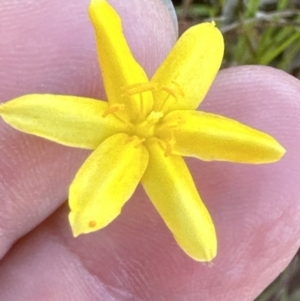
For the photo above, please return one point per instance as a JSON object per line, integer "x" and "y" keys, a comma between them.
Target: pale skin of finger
{"x": 255, "y": 208}
{"x": 47, "y": 49}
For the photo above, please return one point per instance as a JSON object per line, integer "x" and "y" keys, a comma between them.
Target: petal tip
{"x": 75, "y": 234}
{"x": 279, "y": 152}
{"x": 203, "y": 253}
{"x": 282, "y": 152}
{"x": 211, "y": 254}
{"x": 208, "y": 253}
{"x": 75, "y": 226}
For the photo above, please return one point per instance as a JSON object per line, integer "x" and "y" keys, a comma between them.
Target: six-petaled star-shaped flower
{"x": 143, "y": 131}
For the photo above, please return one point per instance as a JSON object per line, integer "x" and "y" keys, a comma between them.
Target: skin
{"x": 47, "y": 48}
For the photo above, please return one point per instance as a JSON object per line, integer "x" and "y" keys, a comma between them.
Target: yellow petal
{"x": 119, "y": 68}
{"x": 190, "y": 69}
{"x": 170, "y": 187}
{"x": 213, "y": 137}
{"x": 105, "y": 182}
{"x": 69, "y": 120}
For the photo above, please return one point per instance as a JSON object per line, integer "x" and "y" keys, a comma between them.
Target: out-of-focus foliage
{"x": 263, "y": 32}
{"x": 286, "y": 287}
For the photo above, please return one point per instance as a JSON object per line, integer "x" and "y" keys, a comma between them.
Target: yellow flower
{"x": 142, "y": 131}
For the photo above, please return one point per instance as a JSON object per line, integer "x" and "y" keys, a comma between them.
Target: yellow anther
{"x": 172, "y": 89}
{"x": 175, "y": 90}
{"x": 137, "y": 140}
{"x": 113, "y": 109}
{"x": 139, "y": 88}
{"x": 130, "y": 139}
{"x": 178, "y": 88}
{"x": 170, "y": 142}
{"x": 179, "y": 121}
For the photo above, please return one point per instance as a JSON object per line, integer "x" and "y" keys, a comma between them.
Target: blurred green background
{"x": 264, "y": 32}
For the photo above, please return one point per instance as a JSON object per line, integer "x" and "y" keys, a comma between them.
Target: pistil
{"x": 147, "y": 127}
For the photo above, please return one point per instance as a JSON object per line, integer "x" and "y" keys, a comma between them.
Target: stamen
{"x": 174, "y": 91}
{"x": 170, "y": 142}
{"x": 176, "y": 123}
{"x": 178, "y": 88}
{"x": 130, "y": 139}
{"x": 138, "y": 88}
{"x": 113, "y": 109}
{"x": 138, "y": 141}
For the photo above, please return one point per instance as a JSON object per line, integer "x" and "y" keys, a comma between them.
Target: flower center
{"x": 148, "y": 121}
{"x": 146, "y": 128}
